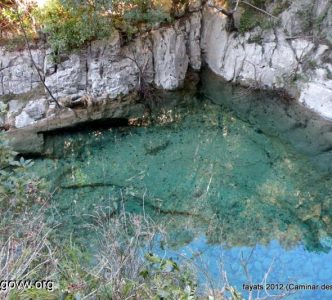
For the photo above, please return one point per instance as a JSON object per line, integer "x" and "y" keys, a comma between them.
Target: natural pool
{"x": 234, "y": 174}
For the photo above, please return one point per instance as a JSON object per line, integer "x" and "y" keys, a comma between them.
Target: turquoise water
{"x": 229, "y": 171}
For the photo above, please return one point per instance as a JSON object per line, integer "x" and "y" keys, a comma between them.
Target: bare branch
{"x": 231, "y": 12}
{"x": 259, "y": 9}
{"x": 42, "y": 79}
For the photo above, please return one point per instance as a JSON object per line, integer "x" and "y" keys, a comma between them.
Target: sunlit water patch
{"x": 229, "y": 172}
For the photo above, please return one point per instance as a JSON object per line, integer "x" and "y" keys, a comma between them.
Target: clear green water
{"x": 228, "y": 171}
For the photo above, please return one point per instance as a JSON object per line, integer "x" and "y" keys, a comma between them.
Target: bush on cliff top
{"x": 69, "y": 24}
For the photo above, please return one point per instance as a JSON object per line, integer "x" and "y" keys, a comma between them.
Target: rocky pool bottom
{"x": 236, "y": 176}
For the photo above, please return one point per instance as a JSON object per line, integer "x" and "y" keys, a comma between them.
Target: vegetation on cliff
{"x": 69, "y": 24}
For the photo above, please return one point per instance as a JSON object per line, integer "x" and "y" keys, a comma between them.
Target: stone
{"x": 170, "y": 58}
{"x": 36, "y": 109}
{"x": 18, "y": 74}
{"x": 33, "y": 111}
{"x": 302, "y": 48}
{"x": 272, "y": 63}
{"x": 25, "y": 141}
{"x": 194, "y": 41}
{"x": 113, "y": 72}
{"x": 292, "y": 19}
{"x": 69, "y": 78}
{"x": 23, "y": 120}
{"x": 318, "y": 97}
{"x": 15, "y": 106}
{"x": 107, "y": 69}
{"x": 3, "y": 108}
{"x": 214, "y": 40}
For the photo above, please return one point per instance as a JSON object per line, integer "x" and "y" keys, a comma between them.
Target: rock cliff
{"x": 289, "y": 55}
{"x": 102, "y": 71}
{"x": 292, "y": 55}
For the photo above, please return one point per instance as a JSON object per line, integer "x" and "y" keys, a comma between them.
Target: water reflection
{"x": 235, "y": 175}
{"x": 242, "y": 172}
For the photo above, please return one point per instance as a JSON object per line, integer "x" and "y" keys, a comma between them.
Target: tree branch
{"x": 259, "y": 9}
{"x": 231, "y": 12}
{"x": 42, "y": 79}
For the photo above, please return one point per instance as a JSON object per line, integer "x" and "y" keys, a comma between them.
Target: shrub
{"x": 249, "y": 20}
{"x": 12, "y": 17}
{"x": 70, "y": 25}
{"x": 18, "y": 187}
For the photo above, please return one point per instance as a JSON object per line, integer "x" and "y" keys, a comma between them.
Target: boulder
{"x": 15, "y": 107}
{"x": 23, "y": 120}
{"x": 318, "y": 97}
{"x": 36, "y": 109}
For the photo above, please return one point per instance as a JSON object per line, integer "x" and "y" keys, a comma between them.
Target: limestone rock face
{"x": 170, "y": 58}
{"x": 3, "y": 110}
{"x": 194, "y": 36}
{"x": 103, "y": 70}
{"x": 318, "y": 97}
{"x": 283, "y": 57}
{"x": 36, "y": 109}
{"x": 69, "y": 78}
{"x": 15, "y": 106}
{"x": 17, "y": 75}
{"x": 278, "y": 61}
{"x": 293, "y": 19}
{"x": 114, "y": 70}
{"x": 23, "y": 120}
{"x": 175, "y": 49}
{"x": 32, "y": 112}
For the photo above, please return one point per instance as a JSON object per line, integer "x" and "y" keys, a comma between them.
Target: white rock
{"x": 23, "y": 119}
{"x": 284, "y": 59}
{"x": 292, "y": 19}
{"x": 302, "y": 47}
{"x": 318, "y": 97}
{"x": 214, "y": 40}
{"x": 3, "y": 107}
{"x": 19, "y": 75}
{"x": 113, "y": 72}
{"x": 170, "y": 58}
{"x": 70, "y": 77}
{"x": 36, "y": 109}
{"x": 194, "y": 41}
{"x": 15, "y": 106}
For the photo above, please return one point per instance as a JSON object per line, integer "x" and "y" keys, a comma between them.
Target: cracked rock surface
{"x": 287, "y": 57}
